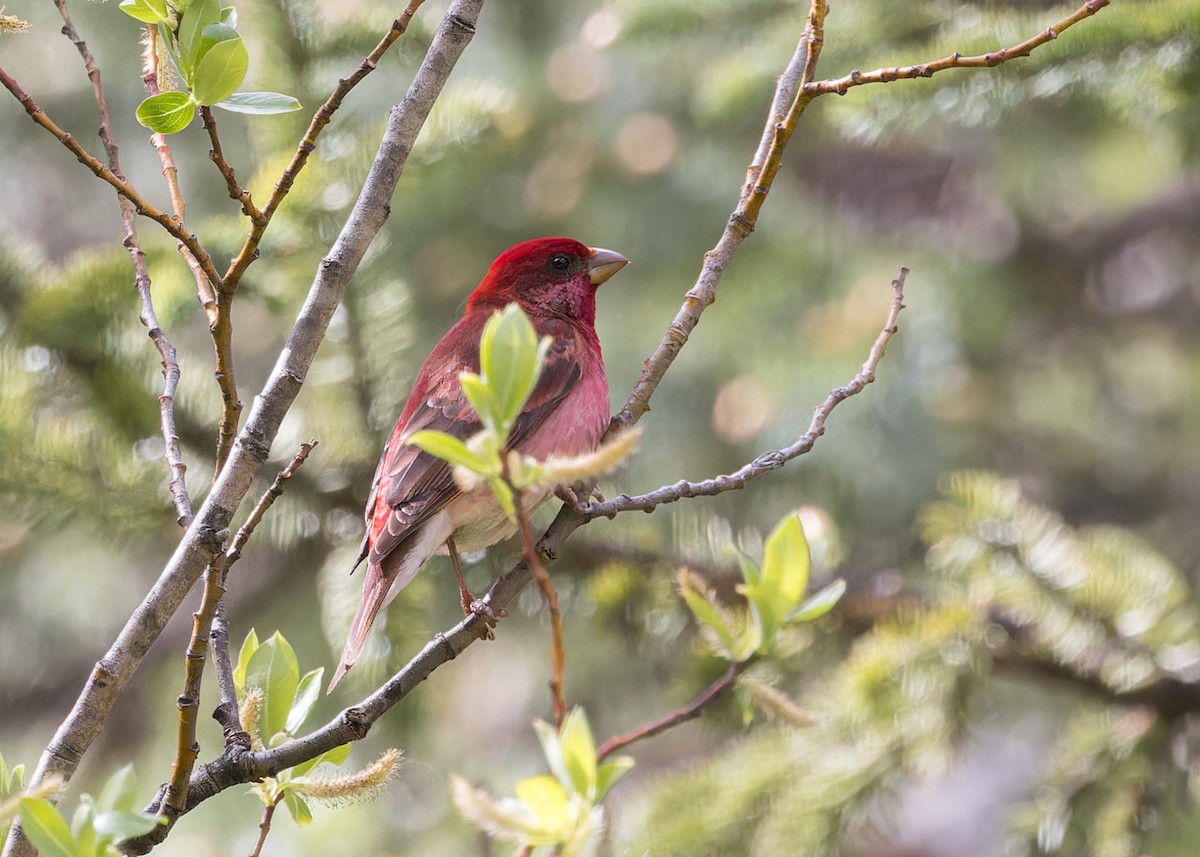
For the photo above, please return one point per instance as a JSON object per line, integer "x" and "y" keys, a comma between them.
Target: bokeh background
{"x": 1049, "y": 210}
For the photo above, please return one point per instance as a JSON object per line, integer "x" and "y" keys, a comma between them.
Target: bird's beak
{"x": 602, "y": 264}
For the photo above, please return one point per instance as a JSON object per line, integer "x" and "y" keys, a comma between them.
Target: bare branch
{"x": 841, "y": 85}
{"x": 141, "y": 279}
{"x": 140, "y": 204}
{"x": 236, "y": 192}
{"x": 205, "y": 536}
{"x": 558, "y": 656}
{"x": 681, "y": 715}
{"x": 774, "y": 458}
{"x": 760, "y": 174}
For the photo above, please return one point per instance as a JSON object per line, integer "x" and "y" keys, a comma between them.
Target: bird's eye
{"x": 560, "y": 262}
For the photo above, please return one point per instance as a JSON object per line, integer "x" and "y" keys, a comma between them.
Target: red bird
{"x": 415, "y": 508}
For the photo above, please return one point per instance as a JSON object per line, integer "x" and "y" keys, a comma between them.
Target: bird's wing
{"x": 412, "y": 485}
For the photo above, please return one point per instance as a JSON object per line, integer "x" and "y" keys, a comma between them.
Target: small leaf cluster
{"x": 97, "y": 826}
{"x": 774, "y": 591}
{"x": 510, "y": 361}
{"x": 275, "y": 702}
{"x": 558, "y": 810}
{"x": 203, "y": 43}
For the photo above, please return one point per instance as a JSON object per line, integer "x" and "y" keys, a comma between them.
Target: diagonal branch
{"x": 681, "y": 715}
{"x": 841, "y": 85}
{"x": 205, "y": 536}
{"x": 124, "y": 188}
{"x": 771, "y": 459}
{"x": 216, "y": 154}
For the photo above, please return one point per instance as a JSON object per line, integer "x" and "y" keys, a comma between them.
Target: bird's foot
{"x": 476, "y": 607}
{"x": 571, "y": 499}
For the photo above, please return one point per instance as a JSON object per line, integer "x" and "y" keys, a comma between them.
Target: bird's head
{"x": 548, "y": 276}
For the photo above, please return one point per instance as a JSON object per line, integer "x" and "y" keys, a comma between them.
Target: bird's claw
{"x": 485, "y": 612}
{"x": 571, "y": 499}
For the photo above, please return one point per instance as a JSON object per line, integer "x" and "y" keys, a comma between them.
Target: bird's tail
{"x": 374, "y": 596}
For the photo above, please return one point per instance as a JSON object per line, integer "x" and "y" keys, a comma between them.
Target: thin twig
{"x": 558, "y": 656}
{"x": 236, "y": 192}
{"x": 187, "y": 749}
{"x": 774, "y": 458}
{"x": 217, "y": 301}
{"x": 226, "y": 712}
{"x": 681, "y": 715}
{"x": 841, "y": 85}
{"x": 264, "y": 502}
{"x": 264, "y": 826}
{"x": 141, "y": 281}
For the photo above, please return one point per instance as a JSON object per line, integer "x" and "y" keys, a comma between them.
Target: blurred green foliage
{"x": 1048, "y": 210}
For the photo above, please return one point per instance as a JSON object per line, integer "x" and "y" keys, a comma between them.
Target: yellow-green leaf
{"x": 46, "y": 829}
{"x": 579, "y": 753}
{"x": 221, "y": 67}
{"x": 167, "y": 112}
{"x": 819, "y": 604}
{"x": 449, "y": 448}
{"x": 509, "y": 361}
{"x": 545, "y": 796}
{"x": 198, "y": 15}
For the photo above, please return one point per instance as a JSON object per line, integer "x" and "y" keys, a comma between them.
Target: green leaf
{"x": 167, "y": 112}
{"x": 298, "y": 808}
{"x": 274, "y": 670}
{"x": 451, "y": 449}
{"x": 510, "y": 362}
{"x": 781, "y": 581}
{"x": 199, "y": 14}
{"x": 484, "y": 402}
{"x": 229, "y": 16}
{"x": 259, "y": 103}
{"x": 504, "y": 496}
{"x": 334, "y": 757}
{"x": 745, "y": 704}
{"x": 212, "y": 35}
{"x": 10, "y": 781}
{"x": 546, "y": 798}
{"x": 119, "y": 792}
{"x": 123, "y": 824}
{"x": 610, "y": 773}
{"x": 307, "y": 693}
{"x": 751, "y": 572}
{"x": 552, "y": 750}
{"x": 817, "y": 605}
{"x": 46, "y": 829}
{"x": 786, "y": 559}
{"x": 707, "y": 614}
{"x": 579, "y": 753}
{"x": 221, "y": 67}
{"x": 83, "y": 827}
{"x": 249, "y": 646}
{"x": 146, "y": 11}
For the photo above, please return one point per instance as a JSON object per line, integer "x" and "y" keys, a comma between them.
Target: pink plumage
{"x": 415, "y": 506}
